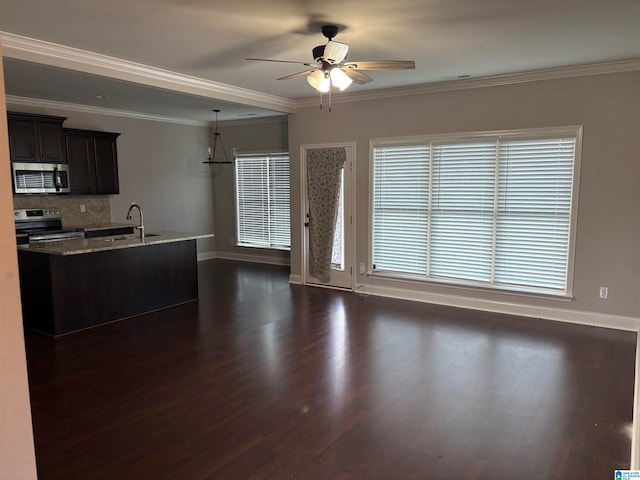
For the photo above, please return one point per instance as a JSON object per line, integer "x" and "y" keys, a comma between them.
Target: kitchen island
{"x": 76, "y": 284}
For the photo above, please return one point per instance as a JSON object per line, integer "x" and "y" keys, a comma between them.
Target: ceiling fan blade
{"x": 281, "y": 61}
{"x": 296, "y": 75}
{"x": 358, "y": 77}
{"x": 382, "y": 65}
{"x": 335, "y": 52}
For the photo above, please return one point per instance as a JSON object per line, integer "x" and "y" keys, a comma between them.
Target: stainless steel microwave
{"x": 40, "y": 178}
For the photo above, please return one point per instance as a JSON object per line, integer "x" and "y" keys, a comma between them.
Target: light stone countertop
{"x": 102, "y": 226}
{"x": 102, "y": 244}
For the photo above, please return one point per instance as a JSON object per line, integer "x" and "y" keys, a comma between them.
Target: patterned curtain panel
{"x": 324, "y": 166}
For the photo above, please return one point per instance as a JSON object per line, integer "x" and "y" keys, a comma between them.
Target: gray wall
{"x": 608, "y": 106}
{"x": 160, "y": 168}
{"x": 269, "y": 135}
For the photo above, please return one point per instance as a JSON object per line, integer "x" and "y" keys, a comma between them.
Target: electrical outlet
{"x": 83, "y": 209}
{"x": 363, "y": 268}
{"x": 604, "y": 292}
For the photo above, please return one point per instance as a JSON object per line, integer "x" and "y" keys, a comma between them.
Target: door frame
{"x": 350, "y": 246}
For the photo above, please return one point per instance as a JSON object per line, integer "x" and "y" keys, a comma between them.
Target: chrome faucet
{"x": 141, "y": 226}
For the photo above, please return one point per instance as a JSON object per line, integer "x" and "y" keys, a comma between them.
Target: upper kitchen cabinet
{"x": 93, "y": 161}
{"x": 36, "y": 138}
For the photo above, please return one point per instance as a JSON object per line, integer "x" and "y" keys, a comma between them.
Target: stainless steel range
{"x": 37, "y": 225}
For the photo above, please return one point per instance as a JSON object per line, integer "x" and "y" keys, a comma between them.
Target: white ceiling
{"x": 206, "y": 42}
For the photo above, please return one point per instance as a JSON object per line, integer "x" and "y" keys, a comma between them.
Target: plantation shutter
{"x": 400, "y": 208}
{"x": 262, "y": 201}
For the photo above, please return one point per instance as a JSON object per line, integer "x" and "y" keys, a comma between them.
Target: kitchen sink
{"x": 129, "y": 237}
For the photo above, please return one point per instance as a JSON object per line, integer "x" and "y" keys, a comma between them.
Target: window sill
{"x": 263, "y": 247}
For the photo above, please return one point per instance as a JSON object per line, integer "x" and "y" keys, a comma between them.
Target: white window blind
{"x": 401, "y": 199}
{"x": 492, "y": 211}
{"x": 462, "y": 213}
{"x": 262, "y": 200}
{"x": 534, "y": 212}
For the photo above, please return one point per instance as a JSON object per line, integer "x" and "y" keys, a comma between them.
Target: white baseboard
{"x": 206, "y": 256}
{"x": 243, "y": 257}
{"x": 297, "y": 279}
{"x": 564, "y": 315}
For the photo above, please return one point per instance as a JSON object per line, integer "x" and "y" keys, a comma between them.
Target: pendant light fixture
{"x": 217, "y": 138}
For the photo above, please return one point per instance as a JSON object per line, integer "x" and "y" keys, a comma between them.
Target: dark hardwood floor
{"x": 265, "y": 380}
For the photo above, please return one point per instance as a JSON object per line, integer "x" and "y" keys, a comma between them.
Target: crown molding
{"x": 254, "y": 121}
{"x": 39, "y": 51}
{"x": 482, "y": 82}
{"x": 13, "y": 100}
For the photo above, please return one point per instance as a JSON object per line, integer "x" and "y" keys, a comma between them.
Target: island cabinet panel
{"x": 64, "y": 293}
{"x": 93, "y": 161}
{"x": 36, "y": 138}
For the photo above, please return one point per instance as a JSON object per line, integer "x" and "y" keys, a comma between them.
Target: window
{"x": 484, "y": 210}
{"x": 262, "y": 200}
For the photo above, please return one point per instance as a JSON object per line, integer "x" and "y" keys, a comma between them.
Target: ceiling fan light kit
{"x": 331, "y": 68}
{"x": 339, "y": 78}
{"x": 319, "y": 80}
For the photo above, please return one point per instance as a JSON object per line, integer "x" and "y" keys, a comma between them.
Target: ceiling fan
{"x": 331, "y": 69}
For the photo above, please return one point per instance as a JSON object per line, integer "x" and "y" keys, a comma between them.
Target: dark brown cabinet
{"x": 93, "y": 161}
{"x": 36, "y": 138}
{"x": 62, "y": 293}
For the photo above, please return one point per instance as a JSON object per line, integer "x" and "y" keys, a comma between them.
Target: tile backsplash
{"x": 97, "y": 208}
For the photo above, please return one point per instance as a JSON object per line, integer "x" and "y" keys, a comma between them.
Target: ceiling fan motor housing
{"x": 330, "y": 31}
